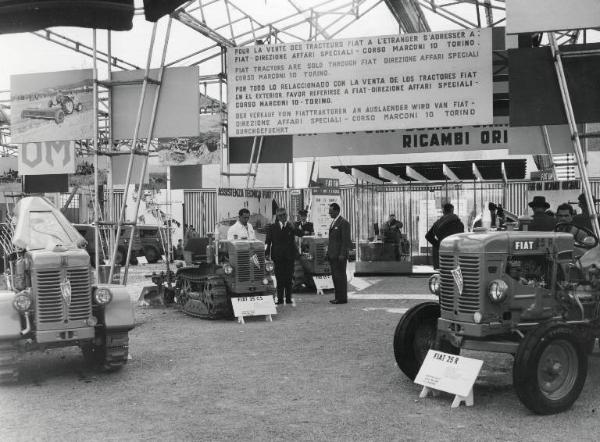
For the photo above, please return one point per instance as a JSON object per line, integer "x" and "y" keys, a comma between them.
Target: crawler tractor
{"x": 535, "y": 295}
{"x": 232, "y": 269}
{"x": 50, "y": 299}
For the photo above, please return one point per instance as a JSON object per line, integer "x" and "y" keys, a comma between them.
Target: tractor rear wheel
{"x": 550, "y": 368}
{"x": 9, "y": 363}
{"x": 415, "y": 335}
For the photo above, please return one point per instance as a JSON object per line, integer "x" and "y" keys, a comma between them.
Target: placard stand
{"x": 240, "y": 319}
{"x": 450, "y": 373}
{"x": 322, "y": 283}
{"x": 468, "y": 400}
{"x": 253, "y": 306}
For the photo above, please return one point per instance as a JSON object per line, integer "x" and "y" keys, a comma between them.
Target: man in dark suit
{"x": 281, "y": 247}
{"x": 305, "y": 226}
{"x": 448, "y": 224}
{"x": 337, "y": 252}
{"x": 541, "y": 220}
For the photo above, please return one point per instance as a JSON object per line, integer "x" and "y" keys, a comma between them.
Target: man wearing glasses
{"x": 281, "y": 247}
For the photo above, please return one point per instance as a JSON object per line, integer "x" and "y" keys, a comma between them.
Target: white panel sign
{"x": 450, "y": 373}
{"x": 551, "y": 15}
{"x": 319, "y": 209}
{"x": 253, "y": 306}
{"x": 323, "y": 282}
{"x": 47, "y": 158}
{"x": 434, "y": 79}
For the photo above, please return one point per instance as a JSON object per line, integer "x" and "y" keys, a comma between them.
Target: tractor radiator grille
{"x": 320, "y": 252}
{"x": 246, "y": 270}
{"x": 450, "y": 299}
{"x": 51, "y": 306}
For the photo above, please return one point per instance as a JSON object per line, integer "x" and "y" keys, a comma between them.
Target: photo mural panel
{"x": 433, "y": 79}
{"x": 52, "y": 106}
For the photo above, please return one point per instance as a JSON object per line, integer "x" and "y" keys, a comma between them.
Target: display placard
{"x": 432, "y": 79}
{"x": 450, "y": 373}
{"x": 319, "y": 209}
{"x": 323, "y": 282}
{"x": 253, "y": 306}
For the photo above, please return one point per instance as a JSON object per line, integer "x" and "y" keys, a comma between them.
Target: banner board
{"x": 187, "y": 151}
{"x": 260, "y": 203}
{"x": 319, "y": 209}
{"x": 47, "y": 158}
{"x": 551, "y": 15}
{"x": 370, "y": 83}
{"x": 52, "y": 106}
{"x": 518, "y": 140}
{"x": 178, "y": 106}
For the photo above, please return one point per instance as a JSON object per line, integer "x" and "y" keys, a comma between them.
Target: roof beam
{"x": 412, "y": 173}
{"x": 503, "y": 170}
{"x": 200, "y": 27}
{"x": 387, "y": 175}
{"x": 449, "y": 174}
{"x": 476, "y": 174}
{"x": 409, "y": 15}
{"x": 358, "y": 174}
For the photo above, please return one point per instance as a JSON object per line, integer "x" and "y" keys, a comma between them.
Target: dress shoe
{"x": 335, "y": 301}
{"x": 289, "y": 301}
{"x": 278, "y": 302}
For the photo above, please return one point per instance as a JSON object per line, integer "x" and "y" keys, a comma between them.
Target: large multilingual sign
{"x": 434, "y": 79}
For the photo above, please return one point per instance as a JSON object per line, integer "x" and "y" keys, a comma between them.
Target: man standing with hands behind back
{"x": 337, "y": 252}
{"x": 281, "y": 247}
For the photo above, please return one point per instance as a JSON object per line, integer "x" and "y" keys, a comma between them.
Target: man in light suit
{"x": 337, "y": 252}
{"x": 281, "y": 247}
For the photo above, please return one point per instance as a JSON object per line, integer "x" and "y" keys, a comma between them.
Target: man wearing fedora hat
{"x": 541, "y": 220}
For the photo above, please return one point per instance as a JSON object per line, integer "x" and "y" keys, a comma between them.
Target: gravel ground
{"x": 317, "y": 372}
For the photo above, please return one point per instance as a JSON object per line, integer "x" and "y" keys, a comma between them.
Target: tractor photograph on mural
{"x": 48, "y": 298}
{"x": 534, "y": 295}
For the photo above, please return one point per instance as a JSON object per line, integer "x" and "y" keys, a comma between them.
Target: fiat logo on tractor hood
{"x": 458, "y": 279}
{"x": 65, "y": 291}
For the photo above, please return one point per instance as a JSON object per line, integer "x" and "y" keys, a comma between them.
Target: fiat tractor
{"x": 312, "y": 261}
{"x": 534, "y": 295}
{"x": 49, "y": 299}
{"x": 232, "y": 269}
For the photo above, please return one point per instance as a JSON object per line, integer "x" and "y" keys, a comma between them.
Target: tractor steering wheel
{"x": 579, "y": 234}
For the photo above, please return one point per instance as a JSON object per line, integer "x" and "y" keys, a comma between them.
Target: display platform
{"x": 380, "y": 258}
{"x": 368, "y": 268}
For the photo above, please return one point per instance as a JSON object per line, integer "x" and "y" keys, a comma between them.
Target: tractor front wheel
{"x": 550, "y": 368}
{"x": 111, "y": 354}
{"x": 415, "y": 335}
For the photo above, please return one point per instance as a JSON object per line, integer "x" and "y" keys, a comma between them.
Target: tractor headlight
{"x": 265, "y": 281}
{"x": 269, "y": 266}
{"x": 434, "y": 284}
{"x": 497, "y": 291}
{"x": 102, "y": 296}
{"x": 22, "y": 301}
{"x": 227, "y": 268}
{"x": 477, "y": 317}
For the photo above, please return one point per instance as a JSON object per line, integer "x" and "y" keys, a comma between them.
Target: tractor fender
{"x": 10, "y": 319}
{"x": 118, "y": 313}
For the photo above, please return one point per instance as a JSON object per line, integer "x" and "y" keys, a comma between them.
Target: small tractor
{"x": 534, "y": 295}
{"x": 49, "y": 299}
{"x": 313, "y": 251}
{"x": 232, "y": 269}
